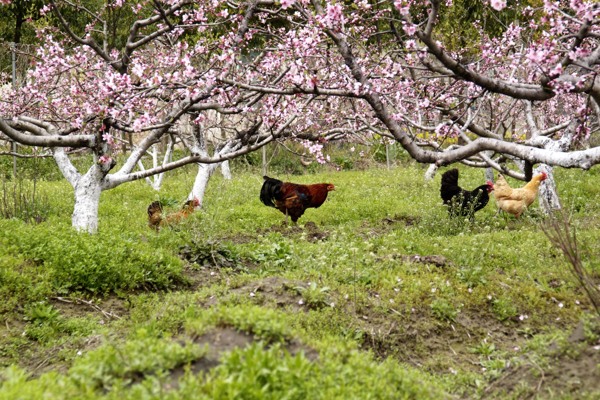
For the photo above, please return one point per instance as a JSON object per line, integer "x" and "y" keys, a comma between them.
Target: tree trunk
{"x": 489, "y": 174}
{"x": 87, "y": 201}
{"x": 201, "y": 182}
{"x": 225, "y": 170}
{"x": 549, "y": 201}
{"x": 431, "y": 171}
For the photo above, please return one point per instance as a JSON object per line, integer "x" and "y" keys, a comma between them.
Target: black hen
{"x": 462, "y": 202}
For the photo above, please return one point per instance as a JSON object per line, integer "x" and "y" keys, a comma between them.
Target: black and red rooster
{"x": 291, "y": 198}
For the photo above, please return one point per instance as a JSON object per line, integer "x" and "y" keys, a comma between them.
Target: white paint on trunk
{"x": 549, "y": 201}
{"x": 431, "y": 171}
{"x": 87, "y": 190}
{"x": 201, "y": 182}
{"x": 65, "y": 166}
{"x": 155, "y": 181}
{"x": 87, "y": 201}
{"x": 225, "y": 170}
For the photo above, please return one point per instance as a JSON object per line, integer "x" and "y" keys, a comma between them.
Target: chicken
{"x": 293, "y": 199}
{"x": 156, "y": 218}
{"x": 516, "y": 201}
{"x": 462, "y": 202}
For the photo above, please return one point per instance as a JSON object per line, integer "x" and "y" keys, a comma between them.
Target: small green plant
{"x": 264, "y": 324}
{"x": 484, "y": 348}
{"x": 443, "y": 310}
{"x": 313, "y": 296}
{"x": 472, "y": 276}
{"x": 255, "y": 372}
{"x": 344, "y": 162}
{"x": 277, "y": 254}
{"x": 504, "y": 308}
{"x": 41, "y": 312}
{"x": 211, "y": 254}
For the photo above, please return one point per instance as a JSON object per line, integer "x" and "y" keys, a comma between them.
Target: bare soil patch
{"x": 221, "y": 340}
{"x": 401, "y": 219}
{"x": 108, "y": 309}
{"x": 274, "y": 291}
{"x": 310, "y": 231}
{"x": 572, "y": 370}
{"x": 421, "y": 340}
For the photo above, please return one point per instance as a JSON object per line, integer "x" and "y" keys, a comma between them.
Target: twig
{"x": 561, "y": 235}
{"x": 107, "y": 314}
{"x": 539, "y": 385}
{"x": 455, "y": 353}
{"x": 395, "y": 312}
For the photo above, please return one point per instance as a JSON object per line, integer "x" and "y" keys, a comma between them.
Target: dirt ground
{"x": 415, "y": 338}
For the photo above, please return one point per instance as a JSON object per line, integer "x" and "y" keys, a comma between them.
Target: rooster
{"x": 156, "y": 218}
{"x": 516, "y": 201}
{"x": 293, "y": 199}
{"x": 462, "y": 202}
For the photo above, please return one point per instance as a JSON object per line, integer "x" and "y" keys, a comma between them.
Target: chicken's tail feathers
{"x": 270, "y": 190}
{"x": 450, "y": 177}
{"x": 449, "y": 187}
{"x": 154, "y": 207}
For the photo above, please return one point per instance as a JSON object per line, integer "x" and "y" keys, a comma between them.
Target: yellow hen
{"x": 516, "y": 201}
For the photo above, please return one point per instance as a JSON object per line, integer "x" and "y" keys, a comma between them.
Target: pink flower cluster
{"x": 498, "y": 5}
{"x": 316, "y": 149}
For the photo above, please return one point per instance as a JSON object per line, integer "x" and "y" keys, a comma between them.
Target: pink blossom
{"x": 105, "y": 159}
{"x": 285, "y": 4}
{"x": 108, "y": 138}
{"x": 334, "y": 16}
{"x": 498, "y": 5}
{"x": 410, "y": 29}
{"x": 557, "y": 70}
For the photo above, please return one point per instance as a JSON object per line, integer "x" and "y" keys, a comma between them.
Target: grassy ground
{"x": 377, "y": 294}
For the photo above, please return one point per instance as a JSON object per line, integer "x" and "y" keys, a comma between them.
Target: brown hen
{"x": 156, "y": 219}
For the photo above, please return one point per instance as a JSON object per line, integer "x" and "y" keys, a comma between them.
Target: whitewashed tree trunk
{"x": 87, "y": 190}
{"x": 201, "y": 182}
{"x": 431, "y": 171}
{"x": 549, "y": 201}
{"x": 205, "y": 171}
{"x": 225, "y": 170}
{"x": 155, "y": 181}
{"x": 87, "y": 201}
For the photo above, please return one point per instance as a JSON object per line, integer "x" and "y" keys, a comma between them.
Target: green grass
{"x": 384, "y": 297}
